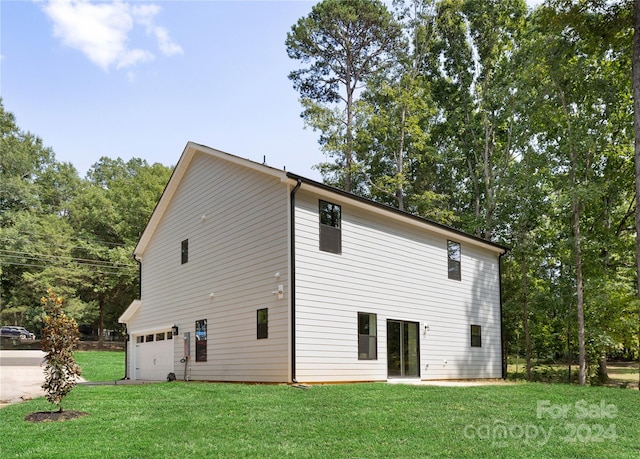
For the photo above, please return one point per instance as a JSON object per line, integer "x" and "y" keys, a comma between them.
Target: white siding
{"x": 397, "y": 272}
{"x": 234, "y": 252}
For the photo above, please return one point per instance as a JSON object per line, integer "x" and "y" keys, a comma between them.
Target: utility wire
{"x": 59, "y": 257}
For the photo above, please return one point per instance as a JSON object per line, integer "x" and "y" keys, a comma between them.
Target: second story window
{"x": 185, "y": 251}
{"x": 330, "y": 227}
{"x": 454, "y": 255}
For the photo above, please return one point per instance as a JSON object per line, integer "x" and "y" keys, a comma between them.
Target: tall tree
{"x": 636, "y": 129}
{"x": 581, "y": 96}
{"x": 473, "y": 85}
{"x": 345, "y": 43}
{"x": 394, "y": 145}
{"x": 108, "y": 218}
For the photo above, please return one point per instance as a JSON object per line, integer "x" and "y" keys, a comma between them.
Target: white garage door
{"x": 154, "y": 356}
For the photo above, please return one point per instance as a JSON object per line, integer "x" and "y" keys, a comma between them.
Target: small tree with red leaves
{"x": 59, "y": 339}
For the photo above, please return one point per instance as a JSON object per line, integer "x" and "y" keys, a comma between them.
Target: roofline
{"x": 439, "y": 227}
{"x": 192, "y": 148}
{"x": 176, "y": 177}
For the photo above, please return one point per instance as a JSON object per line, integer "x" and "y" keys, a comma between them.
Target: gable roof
{"x": 386, "y": 211}
{"x": 178, "y": 174}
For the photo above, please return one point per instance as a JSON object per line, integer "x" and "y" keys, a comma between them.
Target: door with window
{"x": 403, "y": 349}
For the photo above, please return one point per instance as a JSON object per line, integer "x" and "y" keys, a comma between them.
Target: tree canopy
{"x": 74, "y": 234}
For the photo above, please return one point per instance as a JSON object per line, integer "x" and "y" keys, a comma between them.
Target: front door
{"x": 403, "y": 349}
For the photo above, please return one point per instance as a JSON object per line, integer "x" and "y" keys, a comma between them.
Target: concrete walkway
{"x": 21, "y": 376}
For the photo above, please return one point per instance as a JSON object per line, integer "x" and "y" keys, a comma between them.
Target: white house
{"x": 251, "y": 273}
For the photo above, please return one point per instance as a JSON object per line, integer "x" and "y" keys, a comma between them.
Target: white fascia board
{"x": 130, "y": 311}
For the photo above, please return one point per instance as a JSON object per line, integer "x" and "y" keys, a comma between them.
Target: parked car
{"x": 16, "y": 332}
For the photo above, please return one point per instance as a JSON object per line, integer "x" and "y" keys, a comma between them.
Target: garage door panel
{"x": 154, "y": 360}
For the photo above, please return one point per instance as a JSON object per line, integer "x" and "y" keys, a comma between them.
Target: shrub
{"x": 59, "y": 338}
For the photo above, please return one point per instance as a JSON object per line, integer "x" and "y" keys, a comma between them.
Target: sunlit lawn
{"x": 101, "y": 365}
{"x": 181, "y": 419}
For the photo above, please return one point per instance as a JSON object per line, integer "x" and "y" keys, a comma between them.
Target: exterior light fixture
{"x": 174, "y": 330}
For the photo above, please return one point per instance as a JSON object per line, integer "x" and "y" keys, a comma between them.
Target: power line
{"x": 72, "y": 238}
{"x": 43, "y": 257}
{"x": 11, "y": 263}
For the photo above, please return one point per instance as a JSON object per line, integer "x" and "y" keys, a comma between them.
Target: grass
{"x": 338, "y": 421}
{"x": 101, "y": 365}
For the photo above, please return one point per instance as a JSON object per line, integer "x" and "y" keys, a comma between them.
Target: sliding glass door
{"x": 403, "y": 349}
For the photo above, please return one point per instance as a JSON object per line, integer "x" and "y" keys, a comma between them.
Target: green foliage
{"x": 59, "y": 339}
{"x": 78, "y": 235}
{"x": 345, "y": 43}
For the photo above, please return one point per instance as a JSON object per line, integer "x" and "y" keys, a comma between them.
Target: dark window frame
{"x": 476, "y": 336}
{"x": 330, "y": 220}
{"x": 201, "y": 340}
{"x": 454, "y": 260}
{"x": 184, "y": 251}
{"x": 367, "y": 342}
{"x": 262, "y": 320}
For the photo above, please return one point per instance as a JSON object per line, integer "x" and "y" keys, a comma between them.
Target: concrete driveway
{"x": 20, "y": 376}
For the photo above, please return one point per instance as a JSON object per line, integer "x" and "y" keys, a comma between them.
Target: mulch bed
{"x": 53, "y": 416}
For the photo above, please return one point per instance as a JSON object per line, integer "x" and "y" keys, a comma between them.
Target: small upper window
{"x": 263, "y": 323}
{"x": 330, "y": 227}
{"x": 185, "y": 251}
{"x": 454, "y": 254}
{"x": 476, "y": 336}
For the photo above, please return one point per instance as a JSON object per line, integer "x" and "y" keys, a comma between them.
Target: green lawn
{"x": 181, "y": 419}
{"x": 101, "y": 365}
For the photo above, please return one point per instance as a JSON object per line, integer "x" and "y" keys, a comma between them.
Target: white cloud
{"x": 101, "y": 30}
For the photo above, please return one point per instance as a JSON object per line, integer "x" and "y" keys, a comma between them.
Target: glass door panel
{"x": 403, "y": 349}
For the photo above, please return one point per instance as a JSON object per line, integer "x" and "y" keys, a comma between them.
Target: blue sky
{"x": 142, "y": 78}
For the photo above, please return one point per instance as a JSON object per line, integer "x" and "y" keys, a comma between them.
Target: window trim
{"x": 476, "y": 338}
{"x": 262, "y": 331}
{"x": 184, "y": 251}
{"x": 330, "y": 232}
{"x": 454, "y": 263}
{"x": 362, "y": 337}
{"x": 201, "y": 340}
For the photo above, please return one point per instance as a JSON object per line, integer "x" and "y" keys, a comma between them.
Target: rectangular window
{"x": 160, "y": 336}
{"x": 169, "y": 335}
{"x": 476, "y": 336}
{"x": 149, "y": 338}
{"x": 330, "y": 224}
{"x": 185, "y": 251}
{"x": 263, "y": 323}
{"x": 454, "y": 255}
{"x": 201, "y": 340}
{"x": 367, "y": 336}
{"x": 140, "y": 339}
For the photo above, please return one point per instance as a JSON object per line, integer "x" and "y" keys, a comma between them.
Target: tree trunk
{"x": 525, "y": 305}
{"x": 101, "y": 325}
{"x": 636, "y": 129}
{"x": 400, "y": 161}
{"x": 603, "y": 375}
{"x": 577, "y": 247}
